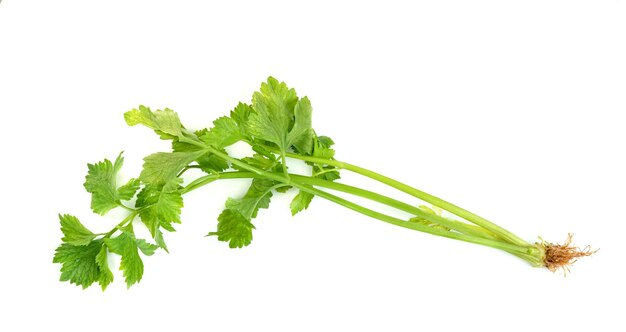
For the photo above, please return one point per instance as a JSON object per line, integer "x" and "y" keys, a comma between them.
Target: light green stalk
{"x": 436, "y": 201}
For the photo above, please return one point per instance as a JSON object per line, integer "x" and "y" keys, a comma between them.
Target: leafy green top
{"x": 277, "y": 122}
{"x": 101, "y": 183}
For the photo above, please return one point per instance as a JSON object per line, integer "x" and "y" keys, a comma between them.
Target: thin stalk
{"x": 516, "y": 242}
{"x": 453, "y": 224}
{"x": 126, "y": 220}
{"x": 243, "y": 165}
{"x": 186, "y": 169}
{"x": 284, "y": 160}
{"x": 203, "y": 180}
{"x": 469, "y": 216}
{"x": 126, "y": 207}
{"x": 524, "y": 252}
{"x": 192, "y": 141}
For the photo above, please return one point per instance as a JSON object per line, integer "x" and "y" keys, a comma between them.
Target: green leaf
{"x": 161, "y": 202}
{"x": 276, "y": 121}
{"x": 301, "y": 135}
{"x": 162, "y": 121}
{"x": 283, "y": 189}
{"x": 264, "y": 152}
{"x": 300, "y": 202}
{"x": 278, "y": 117}
{"x": 166, "y": 226}
{"x": 101, "y": 183}
{"x": 211, "y": 163}
{"x": 234, "y": 224}
{"x": 159, "y": 207}
{"x": 273, "y": 112}
{"x": 258, "y": 161}
{"x": 225, "y": 132}
{"x": 158, "y": 238}
{"x": 146, "y": 248}
{"x": 258, "y": 196}
{"x": 75, "y": 233}
{"x": 207, "y": 161}
{"x": 330, "y": 173}
{"x": 321, "y": 147}
{"x": 178, "y": 146}
{"x": 234, "y": 228}
{"x": 127, "y": 191}
{"x": 161, "y": 167}
{"x": 106, "y": 276}
{"x": 325, "y": 141}
{"x": 79, "y": 263}
{"x": 240, "y": 114}
{"x": 126, "y": 246}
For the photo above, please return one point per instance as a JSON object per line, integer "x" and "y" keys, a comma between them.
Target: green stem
{"x": 453, "y": 224}
{"x": 201, "y": 181}
{"x": 299, "y": 182}
{"x": 469, "y": 216}
{"x": 456, "y": 225}
{"x": 123, "y": 223}
{"x": 243, "y": 165}
{"x": 284, "y": 160}
{"x": 521, "y": 251}
{"x": 516, "y": 246}
{"x": 191, "y": 141}
{"x": 186, "y": 169}
{"x": 126, "y": 207}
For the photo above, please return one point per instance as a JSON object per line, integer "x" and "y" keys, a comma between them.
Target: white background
{"x": 514, "y": 110}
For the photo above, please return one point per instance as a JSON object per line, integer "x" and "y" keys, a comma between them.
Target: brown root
{"x": 562, "y": 256}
